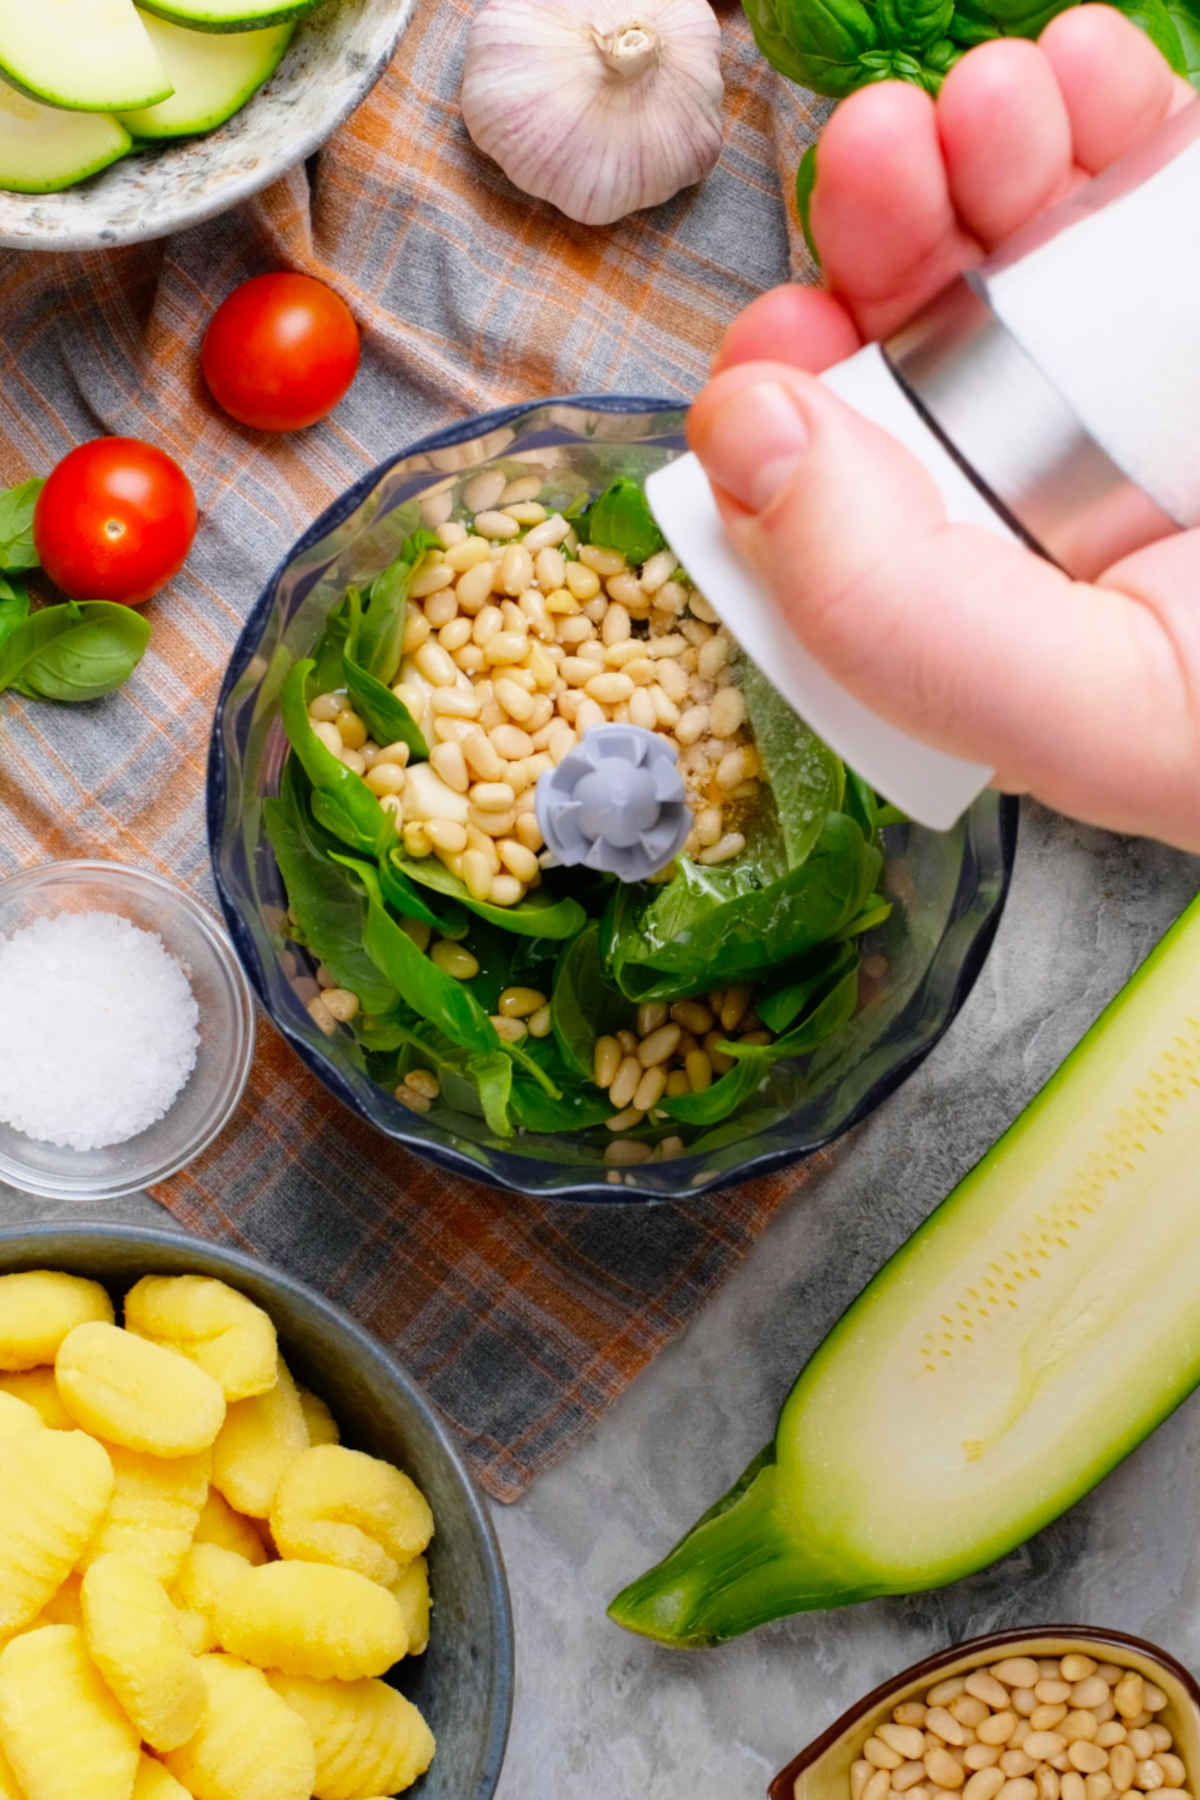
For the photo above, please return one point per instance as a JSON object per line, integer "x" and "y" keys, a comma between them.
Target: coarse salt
{"x": 98, "y": 1029}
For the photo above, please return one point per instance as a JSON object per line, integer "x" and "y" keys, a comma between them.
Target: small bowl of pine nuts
{"x": 1068, "y": 1712}
{"x": 517, "y": 639}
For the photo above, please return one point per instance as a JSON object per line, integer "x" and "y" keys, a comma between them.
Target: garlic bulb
{"x": 600, "y": 106}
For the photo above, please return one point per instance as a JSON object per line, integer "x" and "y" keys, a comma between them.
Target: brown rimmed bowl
{"x": 822, "y": 1771}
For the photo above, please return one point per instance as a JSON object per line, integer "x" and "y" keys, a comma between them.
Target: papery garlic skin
{"x": 599, "y": 106}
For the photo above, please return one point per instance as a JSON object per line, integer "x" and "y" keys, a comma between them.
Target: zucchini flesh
{"x": 43, "y": 149}
{"x": 1034, "y": 1329}
{"x": 88, "y": 55}
{"x": 213, "y": 75}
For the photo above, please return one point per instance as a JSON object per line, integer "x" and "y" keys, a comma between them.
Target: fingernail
{"x": 753, "y": 443}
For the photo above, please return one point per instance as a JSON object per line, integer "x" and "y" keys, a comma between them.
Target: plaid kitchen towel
{"x": 523, "y": 1320}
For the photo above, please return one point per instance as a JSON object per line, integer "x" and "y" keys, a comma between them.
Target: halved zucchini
{"x": 1030, "y": 1333}
{"x": 228, "y": 15}
{"x": 87, "y": 55}
{"x": 43, "y": 149}
{"x": 213, "y": 74}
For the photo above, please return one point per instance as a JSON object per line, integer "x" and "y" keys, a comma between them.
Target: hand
{"x": 1086, "y": 695}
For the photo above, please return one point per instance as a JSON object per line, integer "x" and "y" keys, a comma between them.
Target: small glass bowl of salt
{"x": 126, "y": 1029}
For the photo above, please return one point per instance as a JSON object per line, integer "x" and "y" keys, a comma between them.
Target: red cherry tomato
{"x": 114, "y": 521}
{"x": 280, "y": 352}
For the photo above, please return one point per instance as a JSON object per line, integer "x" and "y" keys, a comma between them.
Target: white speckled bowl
{"x": 337, "y": 55}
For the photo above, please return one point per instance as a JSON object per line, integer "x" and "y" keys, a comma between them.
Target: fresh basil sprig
{"x": 73, "y": 652}
{"x": 17, "y": 551}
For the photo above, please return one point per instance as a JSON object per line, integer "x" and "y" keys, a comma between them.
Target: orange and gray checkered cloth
{"x": 523, "y": 1320}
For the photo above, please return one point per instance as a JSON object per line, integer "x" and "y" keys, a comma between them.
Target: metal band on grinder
{"x": 930, "y": 786}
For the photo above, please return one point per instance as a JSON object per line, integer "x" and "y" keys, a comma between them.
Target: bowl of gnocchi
{"x": 240, "y": 1556}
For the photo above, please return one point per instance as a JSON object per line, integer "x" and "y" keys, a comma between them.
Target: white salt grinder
{"x": 1053, "y": 393}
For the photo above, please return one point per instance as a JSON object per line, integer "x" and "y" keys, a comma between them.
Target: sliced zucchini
{"x": 88, "y": 55}
{"x": 43, "y": 149}
{"x": 1036, "y": 1327}
{"x": 213, "y": 74}
{"x": 228, "y": 15}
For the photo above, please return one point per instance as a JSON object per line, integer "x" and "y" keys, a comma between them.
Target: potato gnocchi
{"x": 199, "y": 1586}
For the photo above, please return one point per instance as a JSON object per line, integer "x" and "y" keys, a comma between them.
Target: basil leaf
{"x": 385, "y": 716}
{"x": 710, "y": 925}
{"x": 327, "y": 675}
{"x": 377, "y": 644}
{"x": 781, "y": 1008}
{"x": 341, "y": 800}
{"x": 539, "y": 914}
{"x": 16, "y": 527}
{"x": 584, "y": 1003}
{"x": 72, "y": 652}
{"x": 806, "y": 181}
{"x": 401, "y": 896}
{"x": 620, "y": 519}
{"x": 326, "y": 904}
{"x": 753, "y": 1061}
{"x": 804, "y": 775}
{"x": 493, "y": 1078}
{"x": 574, "y": 1110}
{"x": 436, "y": 996}
{"x": 14, "y": 606}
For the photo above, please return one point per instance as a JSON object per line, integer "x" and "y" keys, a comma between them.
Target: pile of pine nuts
{"x": 1061, "y": 1728}
{"x": 517, "y": 640}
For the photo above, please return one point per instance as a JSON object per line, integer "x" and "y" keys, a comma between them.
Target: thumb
{"x": 958, "y": 635}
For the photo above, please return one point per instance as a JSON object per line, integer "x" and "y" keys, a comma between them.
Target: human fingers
{"x": 1006, "y": 137}
{"x": 1115, "y": 86}
{"x": 881, "y": 208}
{"x": 957, "y": 635}
{"x": 800, "y": 325}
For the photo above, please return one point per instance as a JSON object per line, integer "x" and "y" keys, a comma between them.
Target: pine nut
{"x": 582, "y": 582}
{"x": 505, "y": 648}
{"x": 1017, "y": 1672}
{"x": 999, "y": 1728}
{"x": 354, "y": 759}
{"x": 1079, "y": 1724}
{"x": 541, "y": 1022}
{"x": 518, "y": 859}
{"x": 511, "y": 742}
{"x": 624, "y": 1083}
{"x": 1087, "y": 1757}
{"x": 1045, "y": 1718}
{"x": 1075, "y": 1666}
{"x": 985, "y": 1784}
{"x": 606, "y": 1060}
{"x": 1161, "y": 1736}
{"x": 454, "y": 703}
{"x": 605, "y": 563}
{"x": 1122, "y": 1765}
{"x": 609, "y": 688}
{"x": 1048, "y": 1782}
{"x": 423, "y": 1082}
{"x": 320, "y": 1014}
{"x": 942, "y": 1723}
{"x": 628, "y": 1153}
{"x": 941, "y": 1768}
{"x": 1141, "y": 1743}
{"x": 477, "y": 874}
{"x": 650, "y": 1088}
{"x": 650, "y": 1015}
{"x": 724, "y": 850}
{"x": 529, "y": 834}
{"x": 520, "y": 1002}
{"x": 881, "y": 1755}
{"x": 495, "y": 524}
{"x": 907, "y": 1776}
{"x": 1014, "y": 1762}
{"x": 981, "y": 1756}
{"x": 985, "y": 1687}
{"x": 1155, "y": 1698}
{"x": 454, "y": 959}
{"x": 550, "y": 532}
{"x": 1020, "y": 1788}
{"x": 1110, "y": 1734}
{"x": 699, "y": 1071}
{"x": 454, "y": 636}
{"x": 448, "y": 761}
{"x": 659, "y": 1046}
{"x": 515, "y": 701}
{"x": 430, "y": 580}
{"x": 475, "y": 584}
{"x": 1025, "y": 1701}
{"x": 447, "y": 835}
{"x": 325, "y": 708}
{"x": 1129, "y": 1694}
{"x": 385, "y": 778}
{"x": 945, "y": 1691}
{"x": 468, "y": 554}
{"x": 417, "y": 631}
{"x": 1148, "y": 1776}
{"x": 905, "y": 1738}
{"x": 328, "y": 734}
{"x": 1091, "y": 1691}
{"x": 1042, "y": 1745}
{"x": 409, "y": 1097}
{"x": 492, "y": 797}
{"x": 727, "y": 712}
{"x": 1052, "y": 1692}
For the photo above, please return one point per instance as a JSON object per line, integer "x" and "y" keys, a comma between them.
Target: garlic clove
{"x": 601, "y": 107}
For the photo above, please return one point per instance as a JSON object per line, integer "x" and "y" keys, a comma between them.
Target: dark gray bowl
{"x": 463, "y": 1683}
